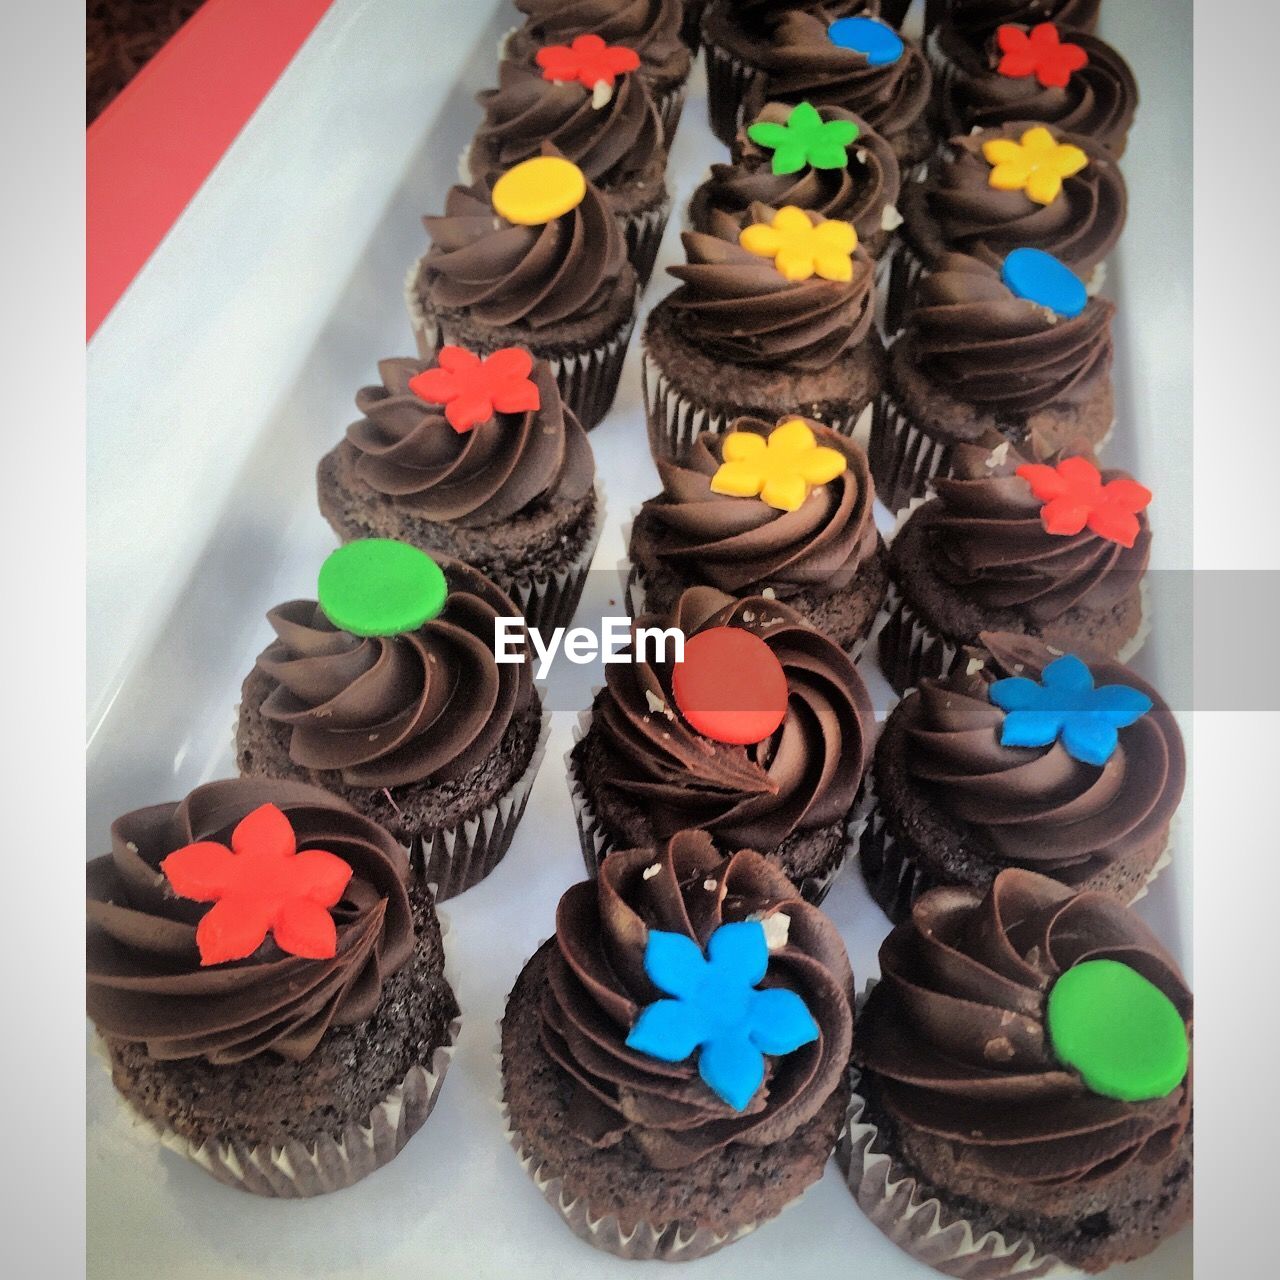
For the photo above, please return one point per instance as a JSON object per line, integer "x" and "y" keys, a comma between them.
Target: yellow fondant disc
{"x": 539, "y": 190}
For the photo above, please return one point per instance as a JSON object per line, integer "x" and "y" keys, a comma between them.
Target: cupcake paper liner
{"x": 455, "y": 858}
{"x": 919, "y": 1224}
{"x": 909, "y": 649}
{"x": 674, "y": 422}
{"x": 670, "y": 107}
{"x": 643, "y": 234}
{"x": 896, "y": 880}
{"x": 552, "y": 601}
{"x": 596, "y": 844}
{"x": 588, "y": 380}
{"x": 903, "y": 457}
{"x": 728, "y": 83}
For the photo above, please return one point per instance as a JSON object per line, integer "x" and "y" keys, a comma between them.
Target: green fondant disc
{"x": 380, "y": 587}
{"x": 1123, "y": 1035}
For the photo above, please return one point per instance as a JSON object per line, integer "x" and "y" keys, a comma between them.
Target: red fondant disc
{"x": 730, "y": 686}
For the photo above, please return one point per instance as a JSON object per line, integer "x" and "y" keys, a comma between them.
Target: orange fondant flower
{"x": 472, "y": 390}
{"x": 1075, "y": 497}
{"x": 1040, "y": 53}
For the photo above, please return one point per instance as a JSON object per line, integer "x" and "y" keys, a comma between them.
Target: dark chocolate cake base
{"x": 724, "y": 1195}
{"x": 1090, "y": 1225}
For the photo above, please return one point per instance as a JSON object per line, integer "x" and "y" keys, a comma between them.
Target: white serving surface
{"x": 228, "y": 368}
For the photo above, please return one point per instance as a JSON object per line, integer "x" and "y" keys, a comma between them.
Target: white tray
{"x": 215, "y": 386}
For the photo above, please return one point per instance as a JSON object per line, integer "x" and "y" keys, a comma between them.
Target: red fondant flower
{"x": 1074, "y": 497}
{"x": 1039, "y": 53}
{"x": 472, "y": 390}
{"x": 588, "y": 60}
{"x": 261, "y": 883}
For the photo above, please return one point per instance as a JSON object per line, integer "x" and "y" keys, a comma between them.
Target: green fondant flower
{"x": 805, "y": 139}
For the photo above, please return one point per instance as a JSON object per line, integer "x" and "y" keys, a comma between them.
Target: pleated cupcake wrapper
{"x": 729, "y": 81}
{"x": 646, "y": 1241}
{"x": 552, "y": 601}
{"x": 909, "y": 649}
{"x": 904, "y": 458}
{"x": 588, "y": 380}
{"x": 918, "y": 1223}
{"x": 596, "y": 843}
{"x": 643, "y": 234}
{"x": 675, "y": 422}
{"x": 455, "y": 858}
{"x": 670, "y": 107}
{"x": 896, "y": 879}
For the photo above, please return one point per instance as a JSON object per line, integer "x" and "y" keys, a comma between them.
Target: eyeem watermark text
{"x": 616, "y": 641}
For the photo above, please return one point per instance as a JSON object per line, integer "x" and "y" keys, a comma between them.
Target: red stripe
{"x": 149, "y": 152}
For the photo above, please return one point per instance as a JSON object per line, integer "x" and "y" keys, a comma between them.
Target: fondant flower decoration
{"x": 261, "y": 885}
{"x": 1040, "y": 53}
{"x": 380, "y": 587}
{"x": 590, "y": 62}
{"x": 806, "y": 139}
{"x": 1075, "y": 498}
{"x": 801, "y": 250}
{"x": 473, "y": 390}
{"x": 1040, "y": 278}
{"x": 717, "y": 1010}
{"x": 730, "y": 686}
{"x": 1036, "y": 164}
{"x": 781, "y": 470}
{"x": 878, "y": 42}
{"x": 539, "y": 190}
{"x": 1066, "y": 706}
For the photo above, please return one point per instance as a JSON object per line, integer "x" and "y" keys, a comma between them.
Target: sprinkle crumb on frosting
{"x": 649, "y": 872}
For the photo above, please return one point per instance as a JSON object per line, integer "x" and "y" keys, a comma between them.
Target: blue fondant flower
{"x": 717, "y": 1009}
{"x": 1066, "y": 705}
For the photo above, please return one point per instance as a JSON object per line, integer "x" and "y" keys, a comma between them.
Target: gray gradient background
{"x": 1234, "y": 776}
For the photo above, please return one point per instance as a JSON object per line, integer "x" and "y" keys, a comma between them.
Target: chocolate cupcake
{"x": 1023, "y": 757}
{"x": 387, "y": 693}
{"x": 1051, "y": 74}
{"x": 1015, "y": 352}
{"x": 480, "y": 461}
{"x": 666, "y": 1103}
{"x": 972, "y": 21}
{"x": 858, "y": 63}
{"x": 1055, "y": 550}
{"x": 293, "y": 1036}
{"x": 759, "y": 736}
{"x": 734, "y": 517}
{"x": 738, "y": 36}
{"x": 651, "y": 27}
{"x": 824, "y": 160}
{"x": 1000, "y": 189}
{"x": 776, "y": 321}
{"x": 536, "y": 259}
{"x": 1022, "y": 1088}
{"x": 586, "y": 102}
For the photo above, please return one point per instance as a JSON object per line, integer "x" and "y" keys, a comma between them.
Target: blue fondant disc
{"x": 880, "y": 44}
{"x": 1039, "y": 277}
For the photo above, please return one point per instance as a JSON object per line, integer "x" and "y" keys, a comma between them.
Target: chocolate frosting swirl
{"x": 739, "y": 307}
{"x": 805, "y": 776}
{"x": 743, "y": 545}
{"x": 760, "y": 17}
{"x": 857, "y": 193}
{"x": 804, "y": 64}
{"x": 998, "y": 351}
{"x": 650, "y": 27}
{"x": 145, "y": 979}
{"x": 1037, "y": 806}
{"x": 613, "y": 145}
{"x": 386, "y": 711}
{"x": 988, "y": 539}
{"x": 979, "y": 18}
{"x": 1099, "y": 101}
{"x": 1080, "y": 227}
{"x": 408, "y": 451}
{"x": 955, "y": 1033}
{"x": 536, "y": 277}
{"x": 597, "y": 987}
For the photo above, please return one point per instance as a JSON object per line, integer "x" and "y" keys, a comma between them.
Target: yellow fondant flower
{"x": 1036, "y": 164}
{"x": 799, "y": 249}
{"x": 780, "y": 470}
